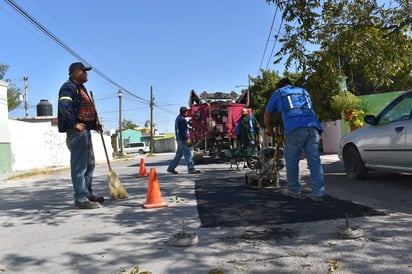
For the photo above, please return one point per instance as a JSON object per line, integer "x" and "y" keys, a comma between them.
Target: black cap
{"x": 78, "y": 65}
{"x": 183, "y": 109}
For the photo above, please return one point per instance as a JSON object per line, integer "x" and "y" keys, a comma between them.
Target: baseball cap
{"x": 78, "y": 65}
{"x": 183, "y": 109}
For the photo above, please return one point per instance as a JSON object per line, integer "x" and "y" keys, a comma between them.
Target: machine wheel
{"x": 354, "y": 166}
{"x": 252, "y": 161}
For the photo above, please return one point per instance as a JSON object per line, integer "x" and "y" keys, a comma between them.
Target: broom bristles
{"x": 116, "y": 189}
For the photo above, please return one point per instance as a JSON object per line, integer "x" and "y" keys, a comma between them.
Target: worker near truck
{"x": 248, "y": 131}
{"x": 183, "y": 144}
{"x": 302, "y": 130}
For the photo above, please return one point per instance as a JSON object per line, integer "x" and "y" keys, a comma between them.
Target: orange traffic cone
{"x": 142, "y": 170}
{"x": 154, "y": 197}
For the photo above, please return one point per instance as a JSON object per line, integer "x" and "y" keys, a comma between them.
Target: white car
{"x": 139, "y": 147}
{"x": 384, "y": 143}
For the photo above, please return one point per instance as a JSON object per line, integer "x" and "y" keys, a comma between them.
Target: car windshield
{"x": 399, "y": 110}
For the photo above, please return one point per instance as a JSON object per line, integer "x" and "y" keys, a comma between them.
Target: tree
{"x": 316, "y": 22}
{"x": 13, "y": 92}
{"x": 262, "y": 88}
{"x": 128, "y": 124}
{"x": 367, "y": 42}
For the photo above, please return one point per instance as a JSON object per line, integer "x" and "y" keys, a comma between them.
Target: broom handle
{"x": 101, "y": 132}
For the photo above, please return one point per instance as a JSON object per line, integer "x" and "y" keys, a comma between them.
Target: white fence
{"x": 40, "y": 145}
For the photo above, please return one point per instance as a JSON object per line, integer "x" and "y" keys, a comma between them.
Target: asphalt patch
{"x": 230, "y": 203}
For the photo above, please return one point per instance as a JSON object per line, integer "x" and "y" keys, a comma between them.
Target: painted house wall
{"x": 373, "y": 103}
{"x": 5, "y": 147}
{"x": 131, "y": 136}
{"x": 376, "y": 102}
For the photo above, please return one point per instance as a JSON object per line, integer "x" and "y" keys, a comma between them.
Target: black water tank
{"x": 44, "y": 108}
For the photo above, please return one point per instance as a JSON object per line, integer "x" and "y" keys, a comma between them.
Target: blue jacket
{"x": 296, "y": 108}
{"x": 69, "y": 106}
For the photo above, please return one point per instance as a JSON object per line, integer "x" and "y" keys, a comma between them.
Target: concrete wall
{"x": 40, "y": 145}
{"x": 165, "y": 145}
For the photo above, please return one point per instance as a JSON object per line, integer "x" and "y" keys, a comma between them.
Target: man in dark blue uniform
{"x": 183, "y": 144}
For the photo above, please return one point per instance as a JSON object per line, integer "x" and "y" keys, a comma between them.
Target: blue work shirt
{"x": 181, "y": 128}
{"x": 295, "y": 106}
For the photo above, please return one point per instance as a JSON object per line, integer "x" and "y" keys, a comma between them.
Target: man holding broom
{"x": 77, "y": 116}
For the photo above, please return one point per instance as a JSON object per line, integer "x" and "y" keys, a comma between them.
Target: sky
{"x": 169, "y": 47}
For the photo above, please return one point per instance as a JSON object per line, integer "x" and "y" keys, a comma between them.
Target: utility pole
{"x": 120, "y": 124}
{"x": 26, "y": 100}
{"x": 151, "y": 119}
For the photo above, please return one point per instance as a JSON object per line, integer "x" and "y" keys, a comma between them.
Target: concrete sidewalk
{"x": 41, "y": 232}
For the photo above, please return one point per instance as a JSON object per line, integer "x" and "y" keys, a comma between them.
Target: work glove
{"x": 99, "y": 128}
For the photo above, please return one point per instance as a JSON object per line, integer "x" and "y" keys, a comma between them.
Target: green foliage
{"x": 345, "y": 101}
{"x": 367, "y": 41}
{"x": 128, "y": 124}
{"x": 315, "y": 22}
{"x": 13, "y": 97}
{"x": 13, "y": 92}
{"x": 3, "y": 70}
{"x": 262, "y": 89}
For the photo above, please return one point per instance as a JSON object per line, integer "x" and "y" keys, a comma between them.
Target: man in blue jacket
{"x": 183, "y": 144}
{"x": 77, "y": 117}
{"x": 302, "y": 132}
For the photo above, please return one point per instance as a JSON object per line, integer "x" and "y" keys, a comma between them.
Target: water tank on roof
{"x": 44, "y": 108}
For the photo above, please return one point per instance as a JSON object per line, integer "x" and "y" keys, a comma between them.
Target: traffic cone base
{"x": 154, "y": 197}
{"x": 142, "y": 169}
{"x": 163, "y": 204}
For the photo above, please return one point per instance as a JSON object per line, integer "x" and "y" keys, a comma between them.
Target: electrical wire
{"x": 274, "y": 44}
{"x": 267, "y": 41}
{"x": 55, "y": 39}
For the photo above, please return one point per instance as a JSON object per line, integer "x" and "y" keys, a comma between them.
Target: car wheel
{"x": 141, "y": 151}
{"x": 354, "y": 166}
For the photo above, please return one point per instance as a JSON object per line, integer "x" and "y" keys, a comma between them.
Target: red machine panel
{"x": 213, "y": 119}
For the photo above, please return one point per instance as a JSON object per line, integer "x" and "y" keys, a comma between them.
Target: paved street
{"x": 41, "y": 232}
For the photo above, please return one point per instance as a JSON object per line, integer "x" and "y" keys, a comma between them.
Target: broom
{"x": 116, "y": 189}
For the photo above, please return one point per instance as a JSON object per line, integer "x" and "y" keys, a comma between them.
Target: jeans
{"x": 306, "y": 138}
{"x": 82, "y": 163}
{"x": 182, "y": 150}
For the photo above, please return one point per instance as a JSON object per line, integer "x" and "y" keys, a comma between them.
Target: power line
{"x": 267, "y": 41}
{"x": 274, "y": 44}
{"x": 54, "y": 38}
